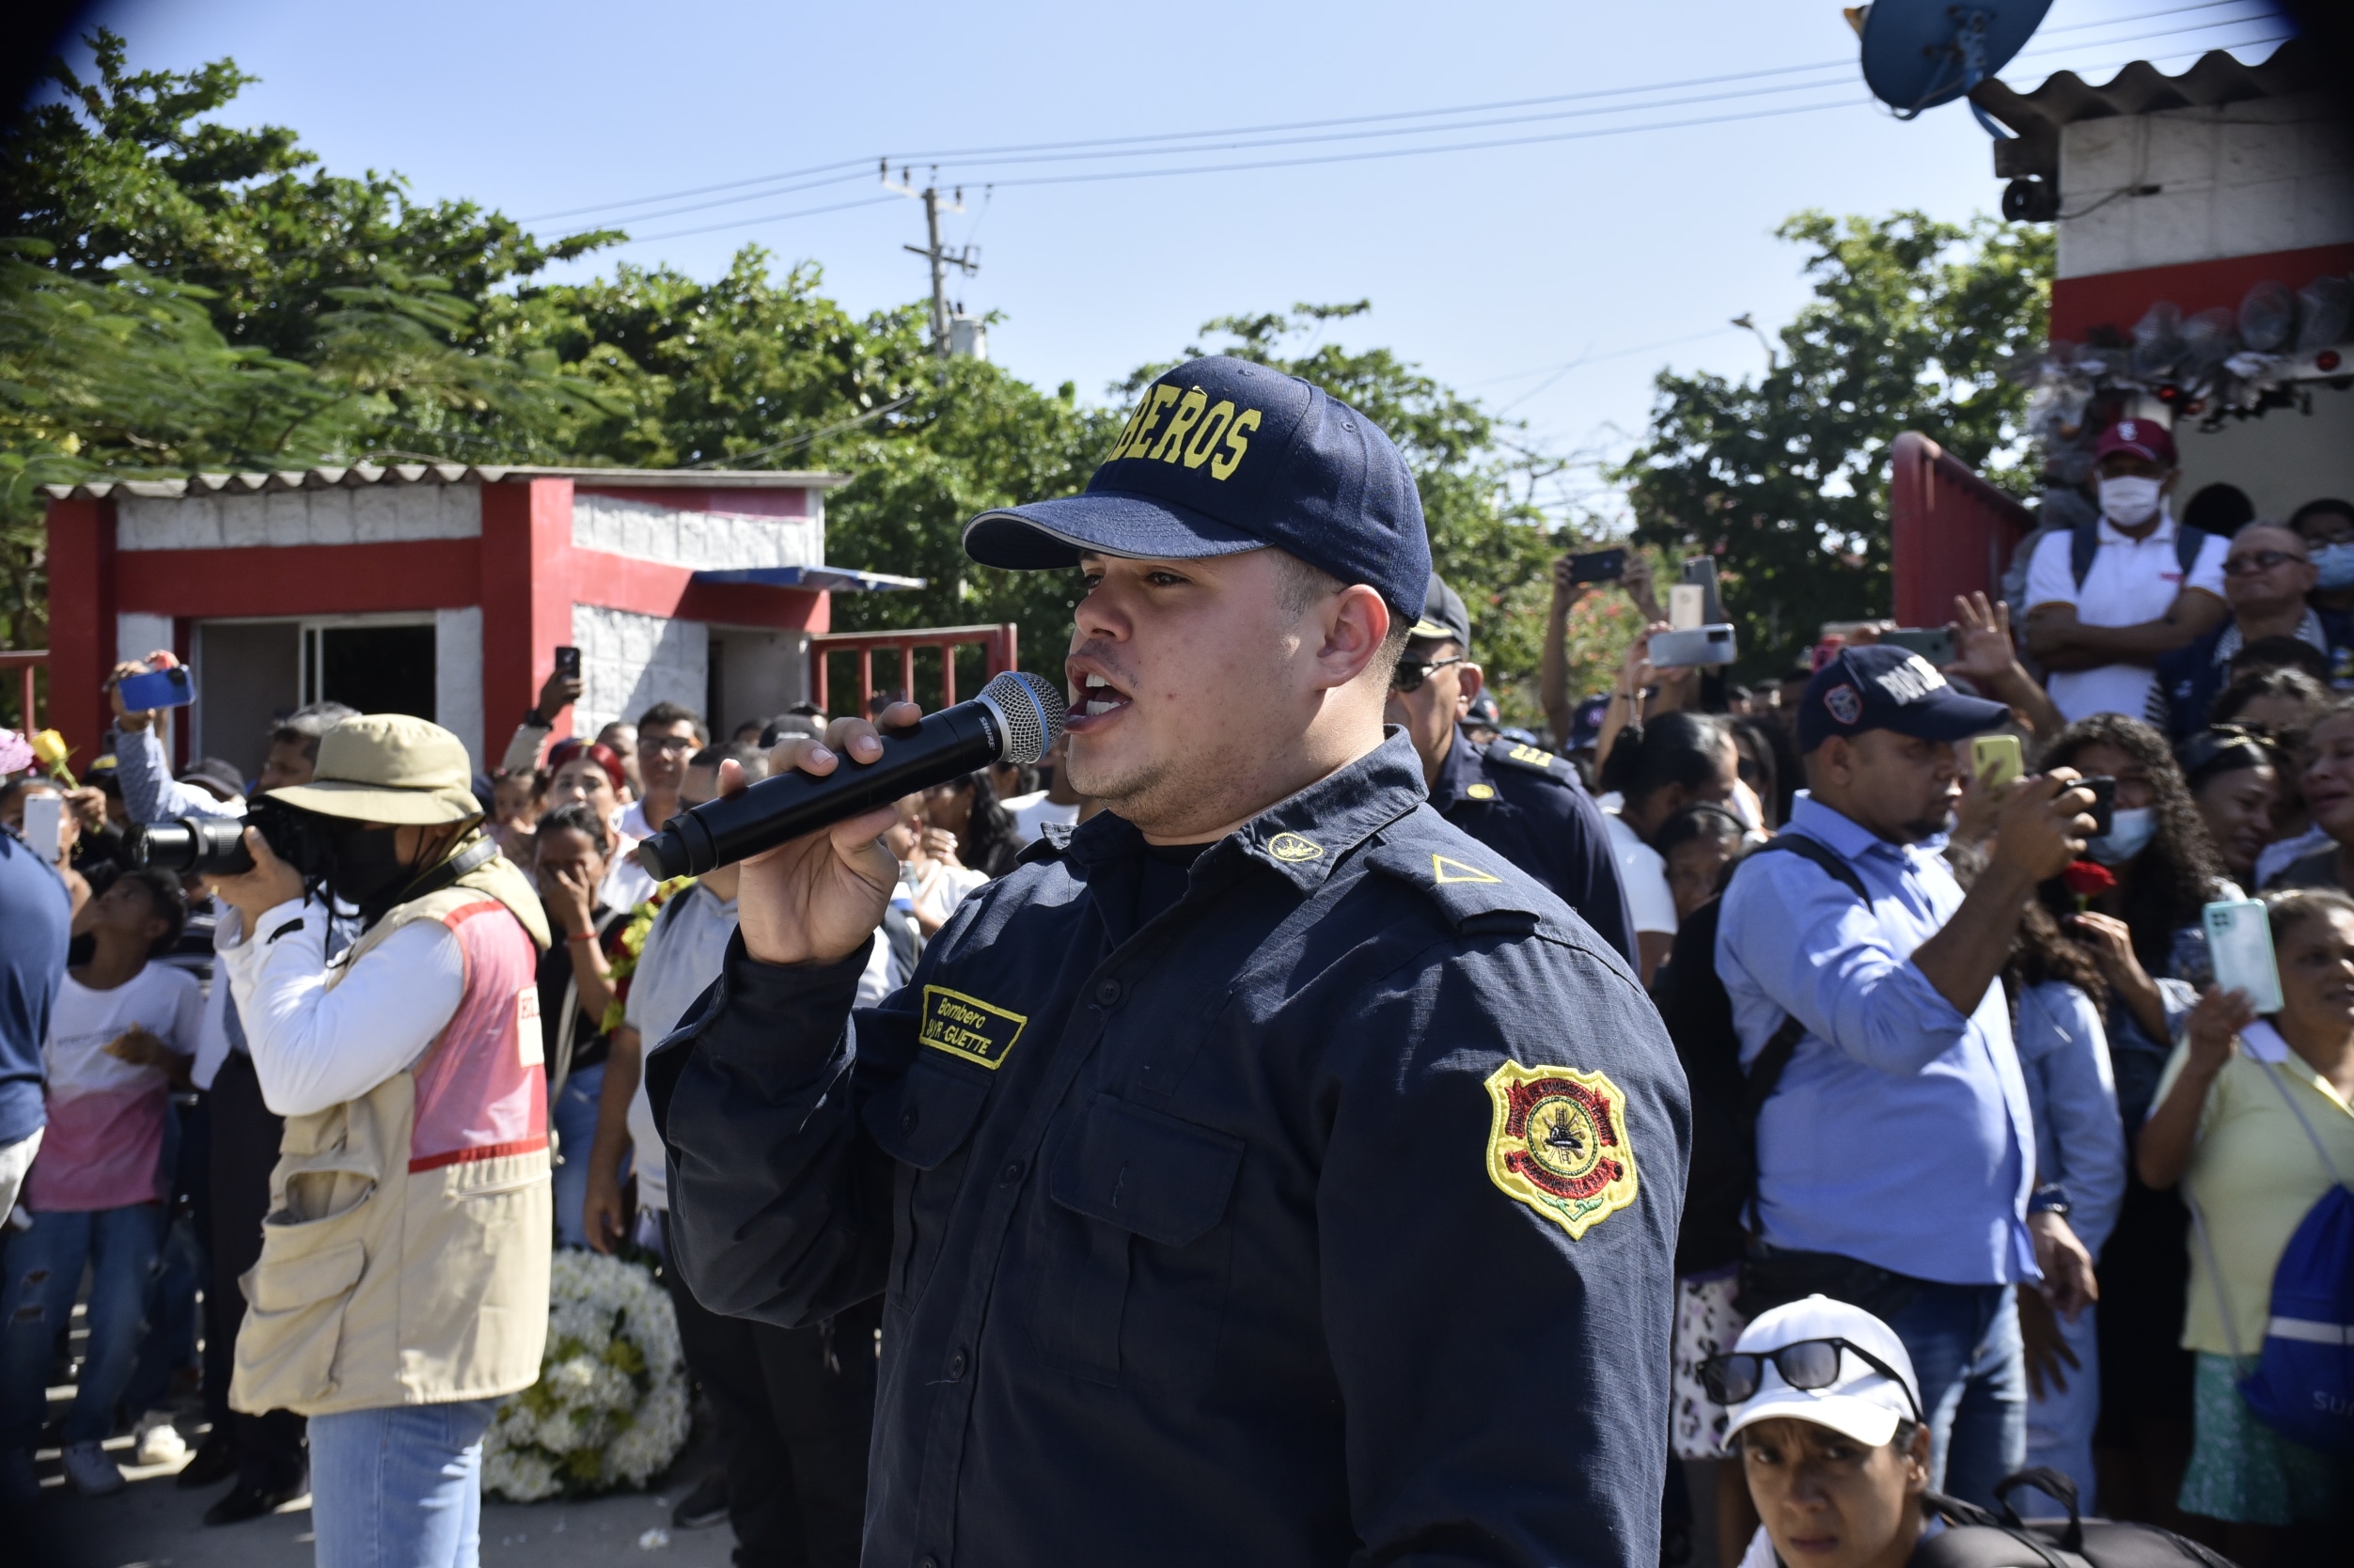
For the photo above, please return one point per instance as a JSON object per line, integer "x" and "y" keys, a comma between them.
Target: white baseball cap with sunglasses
{"x": 1817, "y": 1360}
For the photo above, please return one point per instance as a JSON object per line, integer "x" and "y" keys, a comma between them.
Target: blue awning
{"x": 836, "y": 579}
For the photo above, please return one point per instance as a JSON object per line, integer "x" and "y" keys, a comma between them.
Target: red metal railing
{"x": 997, "y": 643}
{"x": 25, "y": 662}
{"x": 1950, "y": 532}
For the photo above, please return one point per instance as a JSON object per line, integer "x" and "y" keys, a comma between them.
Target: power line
{"x": 1381, "y": 153}
{"x": 849, "y": 168}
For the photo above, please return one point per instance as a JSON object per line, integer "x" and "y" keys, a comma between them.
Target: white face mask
{"x": 2131, "y": 828}
{"x": 2130, "y": 500}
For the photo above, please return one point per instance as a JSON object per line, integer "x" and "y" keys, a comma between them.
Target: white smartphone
{"x": 1688, "y": 606}
{"x": 45, "y": 823}
{"x": 2240, "y": 940}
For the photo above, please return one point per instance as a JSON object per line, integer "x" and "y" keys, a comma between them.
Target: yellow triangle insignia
{"x": 1444, "y": 870}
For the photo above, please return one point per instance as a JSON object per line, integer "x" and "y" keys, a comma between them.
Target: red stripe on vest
{"x": 489, "y": 1151}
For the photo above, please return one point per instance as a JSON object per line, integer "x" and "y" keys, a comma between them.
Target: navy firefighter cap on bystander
{"x": 1886, "y": 687}
{"x": 1222, "y": 455}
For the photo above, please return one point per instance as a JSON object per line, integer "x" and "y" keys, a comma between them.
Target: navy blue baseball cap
{"x": 1886, "y": 687}
{"x": 1222, "y": 455}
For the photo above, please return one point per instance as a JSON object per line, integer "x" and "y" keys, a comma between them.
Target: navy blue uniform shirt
{"x": 1328, "y": 1217}
{"x": 1527, "y": 806}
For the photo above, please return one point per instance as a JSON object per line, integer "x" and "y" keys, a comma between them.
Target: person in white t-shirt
{"x": 123, "y": 1029}
{"x": 1656, "y": 769}
{"x": 2099, "y": 640}
{"x": 1057, "y": 803}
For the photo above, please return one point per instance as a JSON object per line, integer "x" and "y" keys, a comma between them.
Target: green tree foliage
{"x": 1785, "y": 478}
{"x": 174, "y": 296}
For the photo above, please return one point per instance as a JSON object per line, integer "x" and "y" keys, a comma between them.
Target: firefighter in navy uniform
{"x": 1264, "y": 1171}
{"x": 1523, "y": 802}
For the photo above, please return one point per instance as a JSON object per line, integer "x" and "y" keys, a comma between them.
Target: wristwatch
{"x": 2050, "y": 1198}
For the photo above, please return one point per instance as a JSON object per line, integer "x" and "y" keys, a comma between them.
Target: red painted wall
{"x": 81, "y": 621}
{"x": 523, "y": 570}
{"x": 2118, "y": 299}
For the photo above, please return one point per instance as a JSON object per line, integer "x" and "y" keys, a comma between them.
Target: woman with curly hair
{"x": 2144, "y": 934}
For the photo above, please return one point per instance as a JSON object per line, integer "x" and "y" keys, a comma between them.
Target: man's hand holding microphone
{"x": 819, "y": 898}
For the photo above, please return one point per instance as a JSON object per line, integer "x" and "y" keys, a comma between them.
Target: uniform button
{"x": 1108, "y": 992}
{"x": 957, "y": 1364}
{"x": 907, "y": 1119}
{"x": 1011, "y": 1173}
{"x": 928, "y": 1562}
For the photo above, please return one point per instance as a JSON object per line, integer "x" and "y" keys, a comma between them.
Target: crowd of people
{"x": 1967, "y": 1104}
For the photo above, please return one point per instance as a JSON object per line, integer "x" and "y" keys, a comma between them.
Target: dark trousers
{"x": 245, "y": 1138}
{"x": 796, "y": 1410}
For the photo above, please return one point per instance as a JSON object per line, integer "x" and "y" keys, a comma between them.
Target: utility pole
{"x": 939, "y": 255}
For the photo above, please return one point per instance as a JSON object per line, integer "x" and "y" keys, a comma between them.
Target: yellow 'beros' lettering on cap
{"x": 1195, "y": 432}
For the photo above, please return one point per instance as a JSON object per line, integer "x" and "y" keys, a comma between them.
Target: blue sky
{"x": 1551, "y": 279}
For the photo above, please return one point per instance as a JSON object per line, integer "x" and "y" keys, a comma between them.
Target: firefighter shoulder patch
{"x": 1559, "y": 1144}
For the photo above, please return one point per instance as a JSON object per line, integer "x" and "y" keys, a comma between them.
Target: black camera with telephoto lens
{"x": 215, "y": 846}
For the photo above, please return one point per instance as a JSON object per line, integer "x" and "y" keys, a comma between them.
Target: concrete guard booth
{"x": 441, "y": 591}
{"x": 2193, "y": 189}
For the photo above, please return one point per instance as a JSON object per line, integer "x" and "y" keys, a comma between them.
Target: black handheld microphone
{"x": 1015, "y": 720}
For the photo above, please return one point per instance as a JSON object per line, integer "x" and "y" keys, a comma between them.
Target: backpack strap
{"x": 2189, "y": 541}
{"x": 1765, "y": 1075}
{"x": 2083, "y": 544}
{"x": 2273, "y": 1070}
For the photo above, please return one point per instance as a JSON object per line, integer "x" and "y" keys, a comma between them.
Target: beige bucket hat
{"x": 388, "y": 768}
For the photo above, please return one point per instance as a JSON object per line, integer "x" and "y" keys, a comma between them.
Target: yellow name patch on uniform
{"x": 967, "y": 1027}
{"x": 1559, "y": 1144}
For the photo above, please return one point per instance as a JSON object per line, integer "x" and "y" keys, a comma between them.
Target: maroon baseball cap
{"x": 2143, "y": 438}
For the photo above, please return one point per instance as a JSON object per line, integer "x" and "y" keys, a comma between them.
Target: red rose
{"x": 2086, "y": 879}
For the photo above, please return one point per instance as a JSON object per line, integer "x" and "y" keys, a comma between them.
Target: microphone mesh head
{"x": 1032, "y": 709}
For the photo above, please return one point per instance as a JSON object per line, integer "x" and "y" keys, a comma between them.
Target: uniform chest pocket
{"x": 1137, "y": 1245}
{"x": 924, "y": 1121}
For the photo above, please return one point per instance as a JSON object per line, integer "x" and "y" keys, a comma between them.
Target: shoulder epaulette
{"x": 1475, "y": 888}
{"x": 1520, "y": 754}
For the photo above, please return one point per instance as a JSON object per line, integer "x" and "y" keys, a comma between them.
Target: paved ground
{"x": 153, "y": 1523}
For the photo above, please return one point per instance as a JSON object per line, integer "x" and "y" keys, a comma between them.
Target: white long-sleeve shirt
{"x": 312, "y": 1047}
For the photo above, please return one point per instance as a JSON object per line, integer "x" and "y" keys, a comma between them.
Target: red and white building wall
{"x": 283, "y": 588}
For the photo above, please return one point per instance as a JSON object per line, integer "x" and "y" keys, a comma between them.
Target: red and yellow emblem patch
{"x": 1559, "y": 1144}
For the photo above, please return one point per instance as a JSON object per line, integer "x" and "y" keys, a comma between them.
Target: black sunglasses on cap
{"x": 1736, "y": 1375}
{"x": 1411, "y": 673}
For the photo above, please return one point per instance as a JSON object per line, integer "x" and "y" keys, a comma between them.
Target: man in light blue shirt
{"x": 1896, "y": 1154}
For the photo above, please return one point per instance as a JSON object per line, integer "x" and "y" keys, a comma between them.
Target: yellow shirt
{"x": 2254, "y": 1176}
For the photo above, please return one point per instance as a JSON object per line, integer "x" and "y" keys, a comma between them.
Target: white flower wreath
{"x": 610, "y": 1408}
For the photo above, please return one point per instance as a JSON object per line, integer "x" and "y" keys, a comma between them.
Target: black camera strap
{"x": 481, "y": 851}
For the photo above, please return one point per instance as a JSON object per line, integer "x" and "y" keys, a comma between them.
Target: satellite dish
{"x": 1919, "y": 53}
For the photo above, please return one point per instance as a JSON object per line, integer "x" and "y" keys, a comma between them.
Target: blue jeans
{"x": 574, "y": 1117}
{"x": 2060, "y": 1422}
{"x": 400, "y": 1487}
{"x": 1964, "y": 1342}
{"x": 44, "y": 1271}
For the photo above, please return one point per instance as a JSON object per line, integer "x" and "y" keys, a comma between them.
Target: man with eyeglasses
{"x": 668, "y": 736}
{"x": 1524, "y": 803}
{"x": 2268, "y": 574}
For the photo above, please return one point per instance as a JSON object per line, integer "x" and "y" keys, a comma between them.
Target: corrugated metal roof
{"x": 449, "y": 473}
{"x": 2141, "y": 88}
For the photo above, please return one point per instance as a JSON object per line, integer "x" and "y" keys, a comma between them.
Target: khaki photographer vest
{"x": 404, "y": 1259}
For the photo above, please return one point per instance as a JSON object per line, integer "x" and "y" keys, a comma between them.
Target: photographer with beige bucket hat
{"x": 402, "y": 1284}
